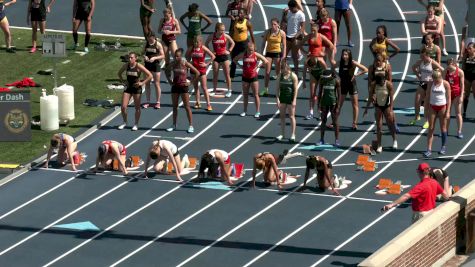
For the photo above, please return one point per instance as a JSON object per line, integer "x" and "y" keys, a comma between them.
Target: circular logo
{"x": 16, "y": 120}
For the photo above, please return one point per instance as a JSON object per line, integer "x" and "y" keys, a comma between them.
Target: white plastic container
{"x": 65, "y": 95}
{"x": 49, "y": 112}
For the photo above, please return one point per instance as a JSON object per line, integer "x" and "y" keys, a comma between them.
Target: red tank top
{"x": 109, "y": 146}
{"x": 219, "y": 44}
{"x": 431, "y": 24}
{"x": 179, "y": 73}
{"x": 168, "y": 26}
{"x": 249, "y": 65}
{"x": 326, "y": 28}
{"x": 315, "y": 46}
{"x": 198, "y": 58}
{"x": 454, "y": 81}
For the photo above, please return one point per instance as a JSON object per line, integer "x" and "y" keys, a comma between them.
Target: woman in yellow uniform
{"x": 381, "y": 43}
{"x": 5, "y": 26}
{"x": 274, "y": 51}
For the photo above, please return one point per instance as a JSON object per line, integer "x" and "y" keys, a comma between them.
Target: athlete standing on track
{"x": 170, "y": 28}
{"x": 232, "y": 12}
{"x": 180, "y": 84}
{"x": 153, "y": 54}
{"x": 455, "y": 76}
{"x": 347, "y": 76}
{"x": 133, "y": 70}
{"x": 468, "y": 66}
{"x": 83, "y": 10}
{"x": 294, "y": 24}
{"x": 329, "y": 97}
{"x": 423, "y": 69}
{"x": 381, "y": 94}
{"x": 432, "y": 49}
{"x": 37, "y": 10}
{"x": 220, "y": 40}
{"x": 249, "y": 66}
{"x": 194, "y": 23}
{"x": 198, "y": 53}
{"x": 274, "y": 44}
{"x": 286, "y": 94}
{"x": 160, "y": 151}
{"x": 438, "y": 96}
{"x": 5, "y": 26}
{"x": 343, "y": 8}
{"x": 242, "y": 27}
{"x": 315, "y": 66}
{"x": 327, "y": 27}
{"x": 438, "y": 6}
{"x": 146, "y": 11}
{"x": 381, "y": 43}
{"x": 433, "y": 24}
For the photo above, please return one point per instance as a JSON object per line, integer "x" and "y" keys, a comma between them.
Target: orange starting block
{"x": 369, "y": 166}
{"x": 384, "y": 183}
{"x": 394, "y": 189}
{"x": 456, "y": 188}
{"x": 362, "y": 159}
{"x": 115, "y": 165}
{"x": 193, "y": 162}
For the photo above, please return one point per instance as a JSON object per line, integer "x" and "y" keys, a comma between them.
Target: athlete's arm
{"x": 147, "y": 72}
{"x": 124, "y": 67}
{"x": 207, "y": 19}
{"x": 230, "y": 42}
{"x": 211, "y": 55}
{"x": 251, "y": 31}
{"x": 394, "y": 46}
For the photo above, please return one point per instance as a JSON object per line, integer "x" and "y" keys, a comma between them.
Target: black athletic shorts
{"x": 176, "y": 89}
{"x": 221, "y": 58}
{"x": 249, "y": 80}
{"x": 273, "y": 55}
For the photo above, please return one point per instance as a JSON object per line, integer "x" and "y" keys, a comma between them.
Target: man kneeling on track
{"x": 218, "y": 163}
{"x": 109, "y": 151}
{"x": 160, "y": 152}
{"x": 324, "y": 170}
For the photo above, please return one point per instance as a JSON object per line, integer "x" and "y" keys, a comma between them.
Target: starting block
{"x": 394, "y": 189}
{"x": 384, "y": 183}
{"x": 362, "y": 159}
{"x": 237, "y": 170}
{"x": 369, "y": 166}
{"x": 115, "y": 165}
{"x": 456, "y": 188}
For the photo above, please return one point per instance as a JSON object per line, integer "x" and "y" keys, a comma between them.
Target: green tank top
{"x": 432, "y": 52}
{"x": 286, "y": 89}
{"x": 329, "y": 92}
{"x": 194, "y": 26}
{"x": 435, "y": 3}
{"x": 316, "y": 71}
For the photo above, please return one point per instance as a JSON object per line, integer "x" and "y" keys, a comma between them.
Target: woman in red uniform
{"x": 249, "y": 75}
{"x": 327, "y": 27}
{"x": 180, "y": 84}
{"x": 316, "y": 43}
{"x": 198, "y": 53}
{"x": 220, "y": 41}
{"x": 169, "y": 27}
{"x": 107, "y": 152}
{"x": 455, "y": 76}
{"x": 432, "y": 24}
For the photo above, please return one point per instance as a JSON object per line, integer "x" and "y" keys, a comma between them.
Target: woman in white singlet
{"x": 160, "y": 151}
{"x": 218, "y": 163}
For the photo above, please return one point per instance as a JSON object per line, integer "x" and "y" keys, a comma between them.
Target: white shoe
{"x": 122, "y": 126}
{"x": 395, "y": 144}
{"x": 444, "y": 52}
{"x": 135, "y": 128}
{"x": 228, "y": 94}
{"x": 279, "y": 138}
{"x": 242, "y": 114}
{"x": 171, "y": 129}
{"x": 380, "y": 149}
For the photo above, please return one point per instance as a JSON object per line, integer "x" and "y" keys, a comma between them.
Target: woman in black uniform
{"x": 133, "y": 70}
{"x": 324, "y": 170}
{"x": 153, "y": 54}
{"x": 5, "y": 26}
{"x": 83, "y": 11}
{"x": 146, "y": 11}
{"x": 348, "y": 81}
{"x": 37, "y": 10}
{"x": 468, "y": 66}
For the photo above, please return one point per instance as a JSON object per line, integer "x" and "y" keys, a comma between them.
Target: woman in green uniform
{"x": 329, "y": 96}
{"x": 287, "y": 91}
{"x": 37, "y": 10}
{"x": 146, "y": 11}
{"x": 194, "y": 23}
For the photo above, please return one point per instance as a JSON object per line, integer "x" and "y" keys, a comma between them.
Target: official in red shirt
{"x": 423, "y": 194}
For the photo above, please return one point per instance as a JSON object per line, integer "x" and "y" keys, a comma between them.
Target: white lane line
{"x": 454, "y": 29}
{"x": 284, "y": 197}
{"x": 386, "y": 213}
{"x": 373, "y": 177}
{"x": 386, "y": 166}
